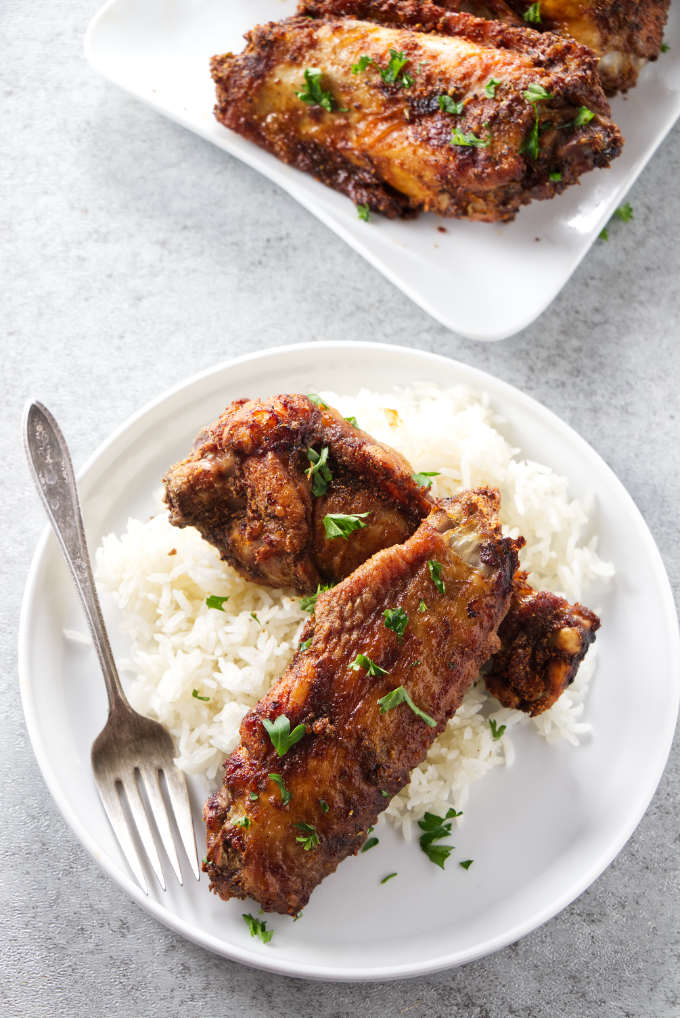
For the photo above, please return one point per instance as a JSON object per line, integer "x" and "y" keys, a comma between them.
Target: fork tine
{"x": 152, "y": 787}
{"x": 110, "y": 799}
{"x": 143, "y": 830}
{"x": 179, "y": 797}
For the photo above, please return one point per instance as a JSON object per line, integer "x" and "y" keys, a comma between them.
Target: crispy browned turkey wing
{"x": 624, "y": 34}
{"x": 246, "y": 488}
{"x": 543, "y": 641}
{"x": 352, "y": 752}
{"x": 392, "y": 145}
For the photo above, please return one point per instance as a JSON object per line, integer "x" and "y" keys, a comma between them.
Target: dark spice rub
{"x": 385, "y": 140}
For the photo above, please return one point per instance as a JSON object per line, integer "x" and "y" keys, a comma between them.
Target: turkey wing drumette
{"x": 253, "y": 487}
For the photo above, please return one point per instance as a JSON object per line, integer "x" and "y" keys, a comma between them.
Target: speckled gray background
{"x": 134, "y": 254}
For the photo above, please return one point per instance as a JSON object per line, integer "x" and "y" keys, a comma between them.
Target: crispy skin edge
{"x": 544, "y": 639}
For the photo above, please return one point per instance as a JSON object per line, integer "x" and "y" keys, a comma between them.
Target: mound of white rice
{"x": 181, "y": 650}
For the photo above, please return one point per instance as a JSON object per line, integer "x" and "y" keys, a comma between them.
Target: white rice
{"x": 160, "y": 577}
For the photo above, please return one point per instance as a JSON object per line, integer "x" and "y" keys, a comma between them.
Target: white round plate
{"x": 540, "y": 832}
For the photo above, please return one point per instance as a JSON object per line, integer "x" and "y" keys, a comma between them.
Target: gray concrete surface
{"x": 134, "y": 254}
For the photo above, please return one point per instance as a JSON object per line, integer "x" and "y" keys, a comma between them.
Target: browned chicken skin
{"x": 352, "y": 752}
{"x": 391, "y": 144}
{"x": 543, "y": 641}
{"x": 245, "y": 488}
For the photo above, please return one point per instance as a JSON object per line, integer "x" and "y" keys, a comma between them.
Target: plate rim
{"x": 251, "y": 957}
{"x": 298, "y": 194}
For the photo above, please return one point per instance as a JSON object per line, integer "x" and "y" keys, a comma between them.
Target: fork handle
{"x": 52, "y": 471}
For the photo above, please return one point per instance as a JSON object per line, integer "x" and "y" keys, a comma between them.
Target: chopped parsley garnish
{"x": 665, "y": 47}
{"x": 242, "y": 822}
{"x": 535, "y": 92}
{"x": 435, "y": 828}
{"x": 469, "y": 140}
{"x": 196, "y": 696}
{"x": 491, "y": 86}
{"x": 315, "y": 95}
{"x": 253, "y": 615}
{"x": 361, "y": 661}
{"x": 319, "y": 472}
{"x": 400, "y": 695}
{"x": 392, "y": 74}
{"x": 449, "y": 105}
{"x": 384, "y": 794}
{"x": 496, "y": 730}
{"x": 257, "y": 927}
{"x": 531, "y": 144}
{"x": 309, "y": 838}
{"x": 315, "y": 398}
{"x": 423, "y": 477}
{"x": 343, "y": 524}
{"x": 624, "y": 212}
{"x": 369, "y": 843}
{"x": 555, "y": 176}
{"x": 584, "y": 116}
{"x": 285, "y": 794}
{"x": 253, "y": 797}
{"x": 364, "y": 212}
{"x": 215, "y": 601}
{"x": 533, "y": 14}
{"x": 396, "y": 619}
{"x": 422, "y": 607}
{"x": 280, "y": 734}
{"x": 324, "y": 806}
{"x": 304, "y": 645}
{"x": 436, "y": 575}
{"x": 308, "y": 602}
{"x": 352, "y": 421}
{"x": 388, "y": 877}
{"x": 362, "y": 63}
{"x": 466, "y": 863}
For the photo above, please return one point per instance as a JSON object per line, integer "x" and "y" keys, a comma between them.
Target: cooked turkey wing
{"x": 624, "y": 34}
{"x": 246, "y": 488}
{"x": 385, "y": 140}
{"x": 352, "y": 752}
{"x": 543, "y": 641}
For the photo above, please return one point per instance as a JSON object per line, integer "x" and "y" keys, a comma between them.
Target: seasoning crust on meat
{"x": 543, "y": 641}
{"x": 351, "y": 752}
{"x": 624, "y": 34}
{"x": 388, "y": 144}
{"x": 246, "y": 488}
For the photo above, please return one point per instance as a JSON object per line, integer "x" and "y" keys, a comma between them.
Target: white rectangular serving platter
{"x": 484, "y": 281}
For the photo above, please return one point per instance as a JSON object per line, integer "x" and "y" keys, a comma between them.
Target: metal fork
{"x": 131, "y": 750}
